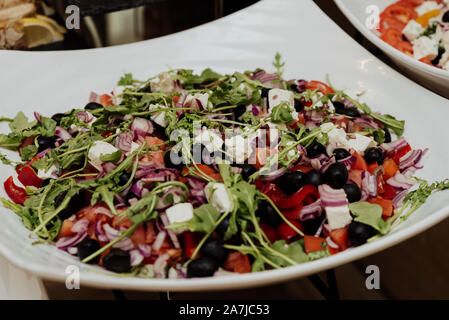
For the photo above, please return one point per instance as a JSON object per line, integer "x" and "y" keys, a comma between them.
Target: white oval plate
{"x": 312, "y": 46}
{"x": 433, "y": 78}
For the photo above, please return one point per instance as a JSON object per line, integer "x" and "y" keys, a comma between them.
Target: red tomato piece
{"x": 28, "y": 177}
{"x": 286, "y": 232}
{"x": 341, "y": 238}
{"x": 387, "y": 205}
{"x": 17, "y": 194}
{"x": 312, "y": 243}
{"x": 320, "y": 86}
{"x": 237, "y": 262}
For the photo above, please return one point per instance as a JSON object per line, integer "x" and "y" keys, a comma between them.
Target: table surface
{"x": 404, "y": 273}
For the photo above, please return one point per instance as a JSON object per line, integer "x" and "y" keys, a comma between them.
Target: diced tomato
{"x": 139, "y": 235}
{"x": 390, "y": 168}
{"x": 387, "y": 205}
{"x": 175, "y": 99}
{"x": 373, "y": 166}
{"x": 151, "y": 234}
{"x": 341, "y": 238}
{"x": 154, "y": 141}
{"x": 90, "y": 214}
{"x": 360, "y": 163}
{"x": 320, "y": 86}
{"x": 105, "y": 100}
{"x": 293, "y": 213}
{"x": 269, "y": 231}
{"x": 380, "y": 185}
{"x": 390, "y": 22}
{"x": 388, "y": 192}
{"x": 426, "y": 60}
{"x": 237, "y": 262}
{"x": 312, "y": 243}
{"x": 204, "y": 169}
{"x": 189, "y": 243}
{"x": 400, "y": 12}
{"x": 356, "y": 177}
{"x": 405, "y": 47}
{"x": 401, "y": 152}
{"x": 66, "y": 229}
{"x": 296, "y": 199}
{"x": 17, "y": 194}
{"x": 122, "y": 222}
{"x": 28, "y": 177}
{"x": 286, "y": 232}
{"x": 261, "y": 156}
{"x": 342, "y": 122}
{"x": 391, "y": 36}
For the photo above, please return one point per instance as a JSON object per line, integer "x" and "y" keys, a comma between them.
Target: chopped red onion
{"x": 160, "y": 238}
{"x": 274, "y": 174}
{"x": 411, "y": 159}
{"x": 399, "y": 199}
{"x": 171, "y": 234}
{"x": 311, "y": 211}
{"x": 124, "y": 141}
{"x": 80, "y": 226}
{"x": 172, "y": 273}
{"x": 320, "y": 228}
{"x": 332, "y": 197}
{"x": 141, "y": 127}
{"x": 99, "y": 230}
{"x": 366, "y": 123}
{"x": 73, "y": 251}
{"x": 401, "y": 182}
{"x": 369, "y": 184}
{"x": 94, "y": 97}
{"x": 331, "y": 243}
{"x": 67, "y": 242}
{"x": 37, "y": 116}
{"x": 43, "y": 153}
{"x": 159, "y": 266}
{"x": 103, "y": 210}
{"x": 326, "y": 164}
{"x": 63, "y": 133}
{"x": 326, "y": 230}
{"x": 348, "y": 162}
{"x": 111, "y": 233}
{"x": 84, "y": 116}
{"x": 136, "y": 257}
{"x": 144, "y": 249}
{"x": 138, "y": 188}
{"x": 124, "y": 244}
{"x": 264, "y": 77}
{"x": 394, "y": 145}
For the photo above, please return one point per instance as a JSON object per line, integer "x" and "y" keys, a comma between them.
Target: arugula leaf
{"x": 189, "y": 79}
{"x": 126, "y": 80}
{"x": 282, "y": 113}
{"x": 47, "y": 127}
{"x": 369, "y": 214}
{"x": 294, "y": 251}
{"x": 27, "y": 153}
{"x": 16, "y": 208}
{"x": 249, "y": 117}
{"x": 11, "y": 141}
{"x": 113, "y": 157}
{"x": 204, "y": 220}
{"x": 278, "y": 64}
{"x": 20, "y": 123}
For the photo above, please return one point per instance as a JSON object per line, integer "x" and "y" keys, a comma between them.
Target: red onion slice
{"x": 160, "y": 238}
{"x": 394, "y": 145}
{"x": 401, "y": 182}
{"x": 63, "y": 133}
{"x": 67, "y": 242}
{"x": 399, "y": 199}
{"x": 159, "y": 266}
{"x": 171, "y": 234}
{"x": 43, "y": 153}
{"x": 141, "y": 127}
{"x": 124, "y": 141}
{"x": 80, "y": 226}
{"x": 136, "y": 257}
{"x": 332, "y": 197}
{"x": 331, "y": 243}
{"x": 369, "y": 184}
{"x": 311, "y": 211}
{"x": 124, "y": 244}
{"x": 144, "y": 249}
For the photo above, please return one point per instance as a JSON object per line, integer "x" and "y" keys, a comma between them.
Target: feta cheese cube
{"x": 425, "y": 47}
{"x": 338, "y": 217}
{"x": 278, "y": 96}
{"x": 239, "y": 147}
{"x": 163, "y": 82}
{"x": 427, "y": 6}
{"x": 50, "y": 173}
{"x": 180, "y": 212}
{"x": 158, "y": 117}
{"x": 412, "y": 30}
{"x": 193, "y": 99}
{"x": 98, "y": 149}
{"x": 217, "y": 195}
{"x": 116, "y": 98}
{"x": 360, "y": 143}
{"x": 210, "y": 139}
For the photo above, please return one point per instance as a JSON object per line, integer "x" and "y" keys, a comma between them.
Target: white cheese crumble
{"x": 338, "y": 217}
{"x": 180, "y": 212}
{"x": 98, "y": 149}
{"x": 217, "y": 196}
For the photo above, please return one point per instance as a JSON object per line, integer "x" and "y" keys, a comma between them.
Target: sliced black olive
{"x": 117, "y": 260}
{"x": 215, "y": 250}
{"x": 298, "y": 105}
{"x": 124, "y": 178}
{"x": 247, "y": 171}
{"x": 336, "y": 175}
{"x": 174, "y": 160}
{"x": 339, "y": 107}
{"x": 441, "y": 51}
{"x": 315, "y": 149}
{"x": 58, "y": 117}
{"x": 238, "y": 111}
{"x": 264, "y": 93}
{"x": 268, "y": 214}
{"x": 359, "y": 232}
{"x": 202, "y": 267}
{"x": 75, "y": 205}
{"x": 45, "y": 183}
{"x": 353, "y": 192}
{"x": 46, "y": 142}
{"x": 292, "y": 181}
{"x": 341, "y": 153}
{"x": 88, "y": 247}
{"x": 223, "y": 227}
{"x": 352, "y": 112}
{"x": 446, "y": 16}
{"x": 311, "y": 226}
{"x": 93, "y": 106}
{"x": 387, "y": 135}
{"x": 374, "y": 155}
{"x": 315, "y": 178}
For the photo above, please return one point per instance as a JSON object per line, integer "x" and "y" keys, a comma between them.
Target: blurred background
{"x": 416, "y": 269}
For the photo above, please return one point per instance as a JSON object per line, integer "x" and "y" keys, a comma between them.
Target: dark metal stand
{"x": 329, "y": 291}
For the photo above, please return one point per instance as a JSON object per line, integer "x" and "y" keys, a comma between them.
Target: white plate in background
{"x": 433, "y": 78}
{"x": 312, "y": 46}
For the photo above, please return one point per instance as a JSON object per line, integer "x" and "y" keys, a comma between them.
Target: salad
{"x": 196, "y": 175}
{"x": 418, "y": 28}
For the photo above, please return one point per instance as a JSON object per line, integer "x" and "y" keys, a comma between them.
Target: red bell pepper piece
{"x": 237, "y": 262}
{"x": 293, "y": 213}
{"x": 401, "y": 152}
{"x": 188, "y": 240}
{"x": 269, "y": 231}
{"x": 389, "y": 192}
{"x": 28, "y": 177}
{"x": 296, "y": 199}
{"x": 286, "y": 232}
{"x": 17, "y": 194}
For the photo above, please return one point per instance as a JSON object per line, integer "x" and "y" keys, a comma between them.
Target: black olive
{"x": 58, "y": 117}
{"x": 311, "y": 226}
{"x": 298, "y": 105}
{"x": 353, "y": 192}
{"x": 341, "y": 153}
{"x": 268, "y": 214}
{"x": 315, "y": 178}
{"x": 446, "y": 17}
{"x": 247, "y": 171}
{"x": 46, "y": 142}
{"x": 93, "y": 106}
{"x": 45, "y": 183}
{"x": 374, "y": 155}
{"x": 352, "y": 112}
{"x": 336, "y": 175}
{"x": 339, "y": 107}
{"x": 173, "y": 160}
{"x": 88, "y": 247}
{"x": 359, "y": 232}
{"x": 264, "y": 93}
{"x": 215, "y": 250}
{"x": 223, "y": 227}
{"x": 441, "y": 51}
{"x": 202, "y": 267}
{"x": 315, "y": 149}
{"x": 117, "y": 260}
{"x": 387, "y": 135}
{"x": 238, "y": 111}
{"x": 292, "y": 181}
{"x": 124, "y": 178}
{"x": 75, "y": 205}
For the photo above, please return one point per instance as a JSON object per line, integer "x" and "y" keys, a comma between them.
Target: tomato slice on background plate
{"x": 320, "y": 86}
{"x": 17, "y": 194}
